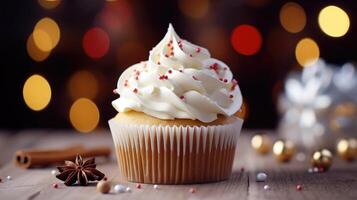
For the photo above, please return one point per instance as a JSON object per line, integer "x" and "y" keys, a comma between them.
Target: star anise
{"x": 79, "y": 172}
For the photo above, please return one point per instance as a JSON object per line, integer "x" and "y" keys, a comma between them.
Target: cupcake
{"x": 176, "y": 121}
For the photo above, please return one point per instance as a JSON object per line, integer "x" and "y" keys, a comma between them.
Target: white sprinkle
{"x": 310, "y": 170}
{"x": 120, "y": 188}
{"x": 301, "y": 157}
{"x": 128, "y": 189}
{"x": 266, "y": 187}
{"x": 9, "y": 178}
{"x": 316, "y": 169}
{"x": 261, "y": 177}
{"x": 156, "y": 187}
{"x": 53, "y": 172}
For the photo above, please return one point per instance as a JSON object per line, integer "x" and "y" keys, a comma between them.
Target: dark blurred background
{"x": 80, "y": 47}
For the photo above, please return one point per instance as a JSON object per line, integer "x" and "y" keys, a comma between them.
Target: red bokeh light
{"x": 246, "y": 39}
{"x": 96, "y": 42}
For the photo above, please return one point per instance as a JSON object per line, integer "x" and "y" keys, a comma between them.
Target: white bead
{"x": 9, "y": 178}
{"x": 53, "y": 172}
{"x": 316, "y": 169}
{"x": 261, "y": 177}
{"x": 119, "y": 188}
{"x": 310, "y": 170}
{"x": 266, "y": 187}
{"x": 156, "y": 187}
{"x": 128, "y": 189}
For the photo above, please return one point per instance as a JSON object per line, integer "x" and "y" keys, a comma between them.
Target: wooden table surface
{"x": 340, "y": 182}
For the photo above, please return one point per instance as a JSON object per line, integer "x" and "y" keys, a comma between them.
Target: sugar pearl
{"x": 192, "y": 190}
{"x": 9, "y": 178}
{"x": 103, "y": 187}
{"x": 261, "y": 177}
{"x": 266, "y": 187}
{"x": 53, "y": 172}
{"x": 128, "y": 189}
{"x": 316, "y": 169}
{"x": 119, "y": 188}
{"x": 310, "y": 170}
{"x": 299, "y": 187}
{"x": 156, "y": 187}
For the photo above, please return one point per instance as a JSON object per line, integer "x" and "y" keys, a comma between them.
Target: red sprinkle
{"x": 105, "y": 178}
{"x": 163, "y": 77}
{"x": 225, "y": 80}
{"x": 170, "y": 41}
{"x": 138, "y": 186}
{"x": 55, "y": 185}
{"x": 192, "y": 190}
{"x": 299, "y": 187}
{"x": 172, "y": 53}
{"x": 166, "y": 55}
{"x": 214, "y": 66}
{"x": 180, "y": 45}
{"x": 221, "y": 79}
{"x": 194, "y": 77}
{"x": 182, "y": 97}
{"x": 158, "y": 63}
{"x": 135, "y": 90}
{"x": 242, "y": 169}
{"x": 115, "y": 91}
{"x": 190, "y": 55}
{"x": 231, "y": 96}
{"x": 198, "y": 50}
{"x": 170, "y": 71}
{"x": 180, "y": 70}
{"x": 321, "y": 169}
{"x": 125, "y": 85}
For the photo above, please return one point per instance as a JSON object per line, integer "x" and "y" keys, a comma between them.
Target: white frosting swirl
{"x": 180, "y": 80}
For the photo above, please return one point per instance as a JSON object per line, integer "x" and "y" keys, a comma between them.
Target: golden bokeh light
{"x": 46, "y": 34}
{"x": 307, "y": 52}
{"x": 34, "y": 52}
{"x": 83, "y": 84}
{"x": 49, "y": 4}
{"x": 292, "y": 17}
{"x": 36, "y": 92}
{"x": 84, "y": 115}
{"x": 194, "y": 9}
{"x": 334, "y": 21}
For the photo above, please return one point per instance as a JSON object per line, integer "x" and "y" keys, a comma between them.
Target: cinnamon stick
{"x": 46, "y": 157}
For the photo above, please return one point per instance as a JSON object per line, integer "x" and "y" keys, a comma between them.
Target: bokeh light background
{"x": 61, "y": 59}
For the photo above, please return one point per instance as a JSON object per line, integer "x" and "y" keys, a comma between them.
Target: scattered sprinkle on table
{"x": 156, "y": 187}
{"x": 192, "y": 190}
{"x": 298, "y": 187}
{"x": 128, "y": 189}
{"x": 261, "y": 177}
{"x": 9, "y": 178}
{"x": 53, "y": 172}
{"x": 55, "y": 185}
{"x": 119, "y": 188}
{"x": 266, "y": 187}
{"x": 138, "y": 186}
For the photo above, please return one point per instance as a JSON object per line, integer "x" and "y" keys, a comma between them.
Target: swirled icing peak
{"x": 179, "y": 80}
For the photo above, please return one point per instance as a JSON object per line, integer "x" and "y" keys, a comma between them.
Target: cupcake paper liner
{"x": 175, "y": 154}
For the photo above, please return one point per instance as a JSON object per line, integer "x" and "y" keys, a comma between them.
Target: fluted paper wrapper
{"x": 175, "y": 154}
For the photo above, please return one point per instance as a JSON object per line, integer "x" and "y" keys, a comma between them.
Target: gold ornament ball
{"x": 261, "y": 144}
{"x": 103, "y": 187}
{"x": 322, "y": 159}
{"x": 283, "y": 150}
{"x": 347, "y": 149}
